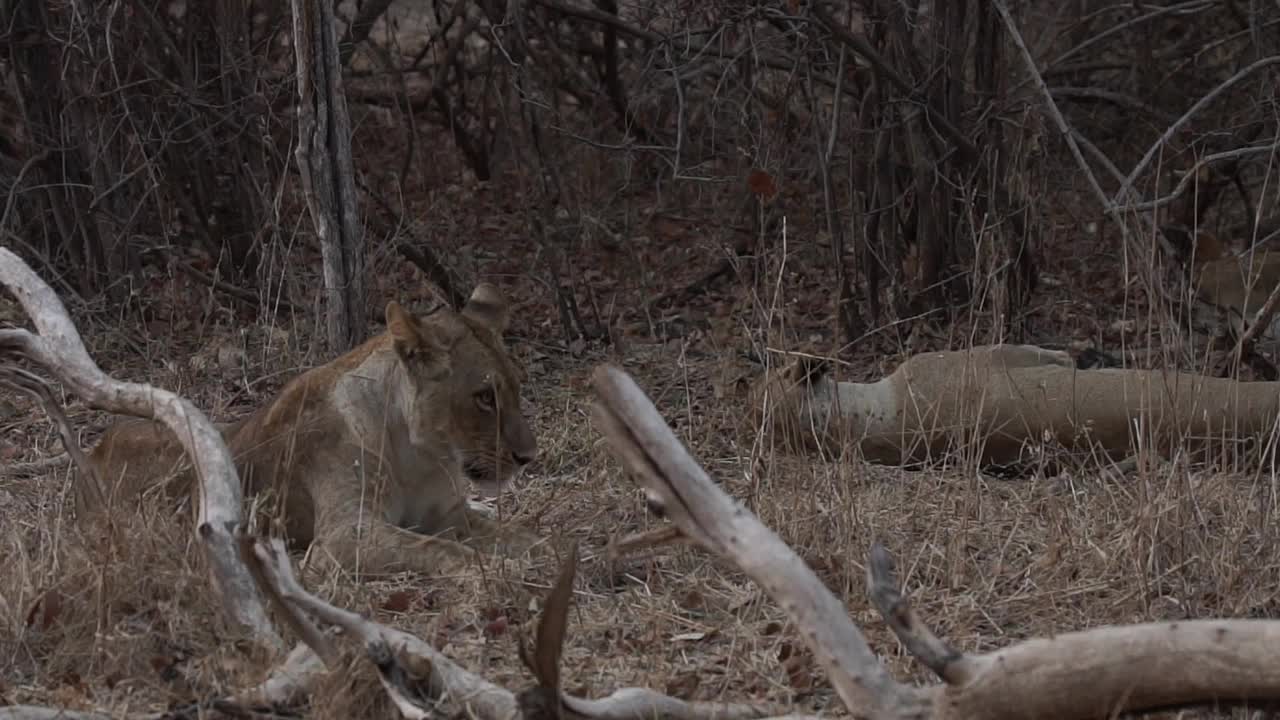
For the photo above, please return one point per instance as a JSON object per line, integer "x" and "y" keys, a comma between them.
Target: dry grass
{"x": 85, "y": 621}
{"x": 129, "y": 623}
{"x": 125, "y": 620}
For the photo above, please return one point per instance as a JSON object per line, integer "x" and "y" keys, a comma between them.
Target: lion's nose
{"x": 522, "y": 457}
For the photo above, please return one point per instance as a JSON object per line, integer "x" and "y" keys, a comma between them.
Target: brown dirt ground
{"x": 87, "y": 623}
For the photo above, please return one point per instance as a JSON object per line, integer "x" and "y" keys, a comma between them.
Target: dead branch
{"x": 1093, "y": 673}
{"x": 1125, "y": 101}
{"x": 645, "y": 445}
{"x": 860, "y": 46}
{"x": 1191, "y": 111}
{"x": 1133, "y": 668}
{"x": 644, "y": 704}
{"x": 543, "y": 700}
{"x": 425, "y": 259}
{"x": 1193, "y": 172}
{"x": 35, "y": 468}
{"x": 608, "y": 19}
{"x": 418, "y": 677}
{"x": 60, "y": 350}
{"x": 326, "y": 170}
{"x": 299, "y": 623}
{"x": 1051, "y": 109}
{"x": 415, "y": 249}
{"x": 635, "y": 542}
{"x": 1110, "y": 205}
{"x": 366, "y": 17}
{"x": 288, "y": 684}
{"x": 396, "y": 654}
{"x": 233, "y": 291}
{"x": 543, "y": 659}
{"x": 31, "y": 712}
{"x": 38, "y": 389}
{"x": 949, "y": 664}
{"x": 1260, "y": 323}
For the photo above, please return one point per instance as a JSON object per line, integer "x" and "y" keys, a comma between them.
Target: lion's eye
{"x": 485, "y": 399}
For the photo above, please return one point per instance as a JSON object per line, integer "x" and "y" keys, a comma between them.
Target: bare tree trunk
{"x": 328, "y": 176}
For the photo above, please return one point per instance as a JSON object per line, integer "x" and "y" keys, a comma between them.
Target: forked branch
{"x": 1094, "y": 673}
{"x": 420, "y": 678}
{"x": 59, "y": 349}
{"x": 929, "y": 649}
{"x": 407, "y": 666}
{"x": 645, "y": 444}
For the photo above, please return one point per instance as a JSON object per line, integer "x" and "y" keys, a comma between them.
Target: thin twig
{"x": 1190, "y": 175}
{"x": 950, "y": 664}
{"x": 1260, "y": 323}
{"x": 1177, "y": 125}
{"x": 967, "y": 150}
{"x": 1068, "y": 134}
{"x": 59, "y": 348}
{"x": 38, "y": 389}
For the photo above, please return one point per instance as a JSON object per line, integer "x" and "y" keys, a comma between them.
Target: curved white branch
{"x": 482, "y": 697}
{"x": 399, "y": 656}
{"x": 1106, "y": 671}
{"x": 641, "y": 703}
{"x": 1072, "y": 676}
{"x": 59, "y": 349}
{"x": 641, "y": 439}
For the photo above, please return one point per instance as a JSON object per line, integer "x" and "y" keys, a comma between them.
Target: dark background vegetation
{"x": 634, "y": 156}
{"x": 679, "y": 185}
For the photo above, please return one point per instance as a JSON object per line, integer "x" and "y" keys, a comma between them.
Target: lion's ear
{"x": 488, "y": 307}
{"x": 1186, "y": 245}
{"x": 406, "y": 333}
{"x": 809, "y": 369}
{"x": 428, "y": 345}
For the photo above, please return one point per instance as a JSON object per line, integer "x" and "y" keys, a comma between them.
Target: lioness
{"x": 1229, "y": 288}
{"x": 998, "y": 398}
{"x": 368, "y": 456}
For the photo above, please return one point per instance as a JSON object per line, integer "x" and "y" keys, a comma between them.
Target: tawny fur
{"x": 368, "y": 458}
{"x": 996, "y": 399}
{"x": 1234, "y": 285}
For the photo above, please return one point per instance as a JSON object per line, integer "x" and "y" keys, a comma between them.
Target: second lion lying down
{"x": 369, "y": 456}
{"x": 996, "y": 399}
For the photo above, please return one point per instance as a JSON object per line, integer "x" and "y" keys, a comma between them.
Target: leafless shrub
{"x": 150, "y": 127}
{"x": 906, "y": 145}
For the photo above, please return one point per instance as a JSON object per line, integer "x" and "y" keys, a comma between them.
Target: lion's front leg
{"x": 378, "y": 547}
{"x": 361, "y": 540}
{"x": 478, "y": 530}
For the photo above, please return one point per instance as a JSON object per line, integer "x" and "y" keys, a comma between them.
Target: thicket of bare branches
{"x": 139, "y": 128}
{"x": 921, "y": 144}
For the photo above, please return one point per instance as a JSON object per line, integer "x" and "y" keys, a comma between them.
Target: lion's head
{"x": 463, "y": 385}
{"x": 791, "y": 399}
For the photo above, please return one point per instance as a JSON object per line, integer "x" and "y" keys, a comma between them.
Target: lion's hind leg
{"x": 1011, "y": 356}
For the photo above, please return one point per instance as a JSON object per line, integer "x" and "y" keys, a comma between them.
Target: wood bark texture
{"x": 327, "y": 171}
